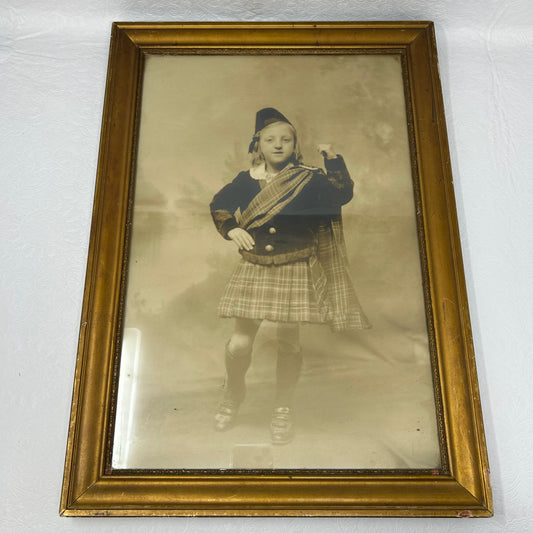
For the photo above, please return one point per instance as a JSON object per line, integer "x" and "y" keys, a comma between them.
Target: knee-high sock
{"x": 288, "y": 369}
{"x": 236, "y": 368}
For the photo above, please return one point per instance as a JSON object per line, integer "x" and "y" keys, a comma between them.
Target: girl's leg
{"x": 288, "y": 368}
{"x": 238, "y": 357}
{"x": 289, "y": 363}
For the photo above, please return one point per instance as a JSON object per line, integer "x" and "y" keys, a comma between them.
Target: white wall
{"x": 53, "y": 59}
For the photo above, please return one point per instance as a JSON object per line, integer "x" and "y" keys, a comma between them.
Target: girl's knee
{"x": 289, "y": 338}
{"x": 240, "y": 345}
{"x": 289, "y": 348}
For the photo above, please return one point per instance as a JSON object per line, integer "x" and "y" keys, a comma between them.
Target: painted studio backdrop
{"x": 365, "y": 399}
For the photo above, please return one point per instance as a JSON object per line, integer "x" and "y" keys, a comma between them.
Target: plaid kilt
{"x": 301, "y": 291}
{"x": 280, "y": 293}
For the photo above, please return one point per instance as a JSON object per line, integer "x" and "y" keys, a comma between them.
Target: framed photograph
{"x": 275, "y": 318}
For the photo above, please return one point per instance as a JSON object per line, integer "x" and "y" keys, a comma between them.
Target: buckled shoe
{"x": 281, "y": 426}
{"x": 226, "y": 414}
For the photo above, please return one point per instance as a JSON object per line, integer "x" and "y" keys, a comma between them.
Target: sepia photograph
{"x": 274, "y": 314}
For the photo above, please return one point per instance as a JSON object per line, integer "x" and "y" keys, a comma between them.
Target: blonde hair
{"x": 257, "y": 157}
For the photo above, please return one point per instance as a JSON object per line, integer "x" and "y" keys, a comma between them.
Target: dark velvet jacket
{"x": 291, "y": 234}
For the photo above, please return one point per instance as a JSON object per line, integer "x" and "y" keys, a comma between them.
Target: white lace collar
{"x": 260, "y": 173}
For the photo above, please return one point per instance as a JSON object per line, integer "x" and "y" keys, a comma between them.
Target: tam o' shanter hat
{"x": 265, "y": 117}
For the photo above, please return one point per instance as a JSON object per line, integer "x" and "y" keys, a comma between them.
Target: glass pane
{"x": 364, "y": 398}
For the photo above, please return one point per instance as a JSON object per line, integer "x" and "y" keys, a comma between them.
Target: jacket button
{"x": 269, "y": 248}
{"x": 272, "y": 230}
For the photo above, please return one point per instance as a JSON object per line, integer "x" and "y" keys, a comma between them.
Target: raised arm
{"x": 338, "y": 183}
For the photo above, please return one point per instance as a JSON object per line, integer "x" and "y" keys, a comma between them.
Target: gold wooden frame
{"x": 91, "y": 487}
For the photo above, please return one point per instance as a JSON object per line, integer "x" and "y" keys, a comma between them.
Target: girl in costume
{"x": 285, "y": 219}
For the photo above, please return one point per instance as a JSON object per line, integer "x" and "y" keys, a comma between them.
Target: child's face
{"x": 276, "y": 143}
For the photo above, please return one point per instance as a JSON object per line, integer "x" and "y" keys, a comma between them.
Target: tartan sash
{"x": 273, "y": 198}
{"x": 332, "y": 281}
